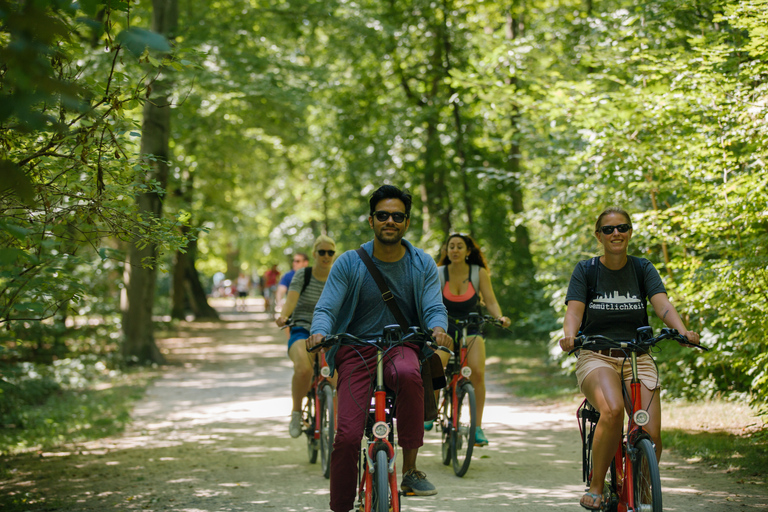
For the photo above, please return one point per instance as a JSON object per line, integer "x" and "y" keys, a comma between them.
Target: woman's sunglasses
{"x": 323, "y": 252}
{"x": 382, "y": 216}
{"x": 623, "y": 228}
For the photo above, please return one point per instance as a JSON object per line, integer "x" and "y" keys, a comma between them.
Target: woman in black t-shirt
{"x": 616, "y": 311}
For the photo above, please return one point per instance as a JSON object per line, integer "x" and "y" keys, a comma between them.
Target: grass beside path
{"x": 718, "y": 433}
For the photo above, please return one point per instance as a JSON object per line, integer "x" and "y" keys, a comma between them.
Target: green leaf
{"x": 136, "y": 40}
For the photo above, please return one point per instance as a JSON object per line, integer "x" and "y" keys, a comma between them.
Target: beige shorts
{"x": 646, "y": 369}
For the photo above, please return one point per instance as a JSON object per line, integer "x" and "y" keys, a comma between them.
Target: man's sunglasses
{"x": 623, "y": 228}
{"x": 323, "y": 252}
{"x": 382, "y": 216}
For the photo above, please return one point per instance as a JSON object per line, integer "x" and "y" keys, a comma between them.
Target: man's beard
{"x": 389, "y": 241}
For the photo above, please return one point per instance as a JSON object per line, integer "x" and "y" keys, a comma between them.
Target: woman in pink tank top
{"x": 459, "y": 254}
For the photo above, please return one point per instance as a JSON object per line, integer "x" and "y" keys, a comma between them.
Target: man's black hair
{"x": 391, "y": 192}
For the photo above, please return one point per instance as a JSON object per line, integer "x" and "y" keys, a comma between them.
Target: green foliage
{"x": 68, "y": 133}
{"x": 73, "y": 400}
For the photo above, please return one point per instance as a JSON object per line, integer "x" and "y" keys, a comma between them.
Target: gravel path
{"x": 212, "y": 435}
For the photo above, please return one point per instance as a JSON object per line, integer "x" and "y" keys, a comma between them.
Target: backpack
{"x": 307, "y": 279}
{"x": 592, "y": 272}
{"x": 474, "y": 277}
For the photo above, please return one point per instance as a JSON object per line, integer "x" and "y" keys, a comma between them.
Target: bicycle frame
{"x": 459, "y": 376}
{"x": 624, "y": 453}
{"x": 381, "y": 430}
{"x": 321, "y": 374}
{"x": 636, "y": 452}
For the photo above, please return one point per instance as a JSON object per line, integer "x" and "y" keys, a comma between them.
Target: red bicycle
{"x": 457, "y": 412}
{"x": 633, "y": 483}
{"x": 318, "y": 416}
{"x": 378, "y": 487}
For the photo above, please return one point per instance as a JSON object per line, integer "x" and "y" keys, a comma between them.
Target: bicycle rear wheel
{"x": 446, "y": 417}
{"x": 382, "y": 498}
{"x": 327, "y": 428}
{"x": 647, "y": 482}
{"x": 463, "y": 438}
{"x": 308, "y": 417}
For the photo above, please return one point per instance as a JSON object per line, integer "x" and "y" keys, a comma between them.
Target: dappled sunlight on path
{"x": 212, "y": 435}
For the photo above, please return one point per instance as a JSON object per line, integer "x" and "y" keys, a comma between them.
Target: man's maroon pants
{"x": 354, "y": 388}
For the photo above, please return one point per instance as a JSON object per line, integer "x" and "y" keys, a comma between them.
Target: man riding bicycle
{"x": 351, "y": 302}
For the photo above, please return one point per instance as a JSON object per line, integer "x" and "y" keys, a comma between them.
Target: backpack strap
{"x": 442, "y": 273}
{"x": 593, "y": 266}
{"x": 474, "y": 277}
{"x": 307, "y": 279}
{"x": 640, "y": 276}
{"x": 386, "y": 293}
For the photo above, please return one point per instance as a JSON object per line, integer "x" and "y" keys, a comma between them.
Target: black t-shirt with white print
{"x": 617, "y": 309}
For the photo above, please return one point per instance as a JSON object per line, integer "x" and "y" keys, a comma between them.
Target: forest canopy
{"x": 516, "y": 122}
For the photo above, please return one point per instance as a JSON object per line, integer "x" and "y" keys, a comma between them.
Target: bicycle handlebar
{"x": 391, "y": 337}
{"x": 642, "y": 343}
{"x": 474, "y": 319}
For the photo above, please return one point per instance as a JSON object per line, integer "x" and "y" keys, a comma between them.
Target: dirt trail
{"x": 212, "y": 435}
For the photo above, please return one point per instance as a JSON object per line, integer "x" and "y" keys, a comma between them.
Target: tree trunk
{"x": 141, "y": 274}
{"x": 188, "y": 291}
{"x": 522, "y": 251}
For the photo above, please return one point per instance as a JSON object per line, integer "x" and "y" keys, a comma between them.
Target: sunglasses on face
{"x": 323, "y": 252}
{"x": 382, "y": 216}
{"x": 623, "y": 228}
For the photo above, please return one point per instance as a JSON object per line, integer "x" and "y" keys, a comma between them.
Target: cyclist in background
{"x": 609, "y": 294}
{"x": 299, "y": 306}
{"x": 352, "y": 303}
{"x": 271, "y": 277}
{"x": 468, "y": 286}
{"x": 299, "y": 260}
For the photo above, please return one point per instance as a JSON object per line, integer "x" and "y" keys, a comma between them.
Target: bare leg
{"x": 409, "y": 459}
{"x": 302, "y": 372}
{"x": 476, "y": 361}
{"x": 602, "y": 387}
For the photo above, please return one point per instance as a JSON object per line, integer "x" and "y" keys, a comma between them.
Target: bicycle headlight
{"x": 325, "y": 371}
{"x": 466, "y": 371}
{"x": 642, "y": 417}
{"x": 380, "y": 429}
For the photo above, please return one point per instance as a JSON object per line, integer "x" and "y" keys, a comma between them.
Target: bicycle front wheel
{"x": 308, "y": 417}
{"x": 647, "y": 483}
{"x": 327, "y": 428}
{"x": 446, "y": 416}
{"x": 382, "y": 497}
{"x": 463, "y": 437}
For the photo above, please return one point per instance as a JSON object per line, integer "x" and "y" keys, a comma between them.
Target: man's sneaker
{"x": 415, "y": 483}
{"x": 295, "y": 427}
{"x": 480, "y": 439}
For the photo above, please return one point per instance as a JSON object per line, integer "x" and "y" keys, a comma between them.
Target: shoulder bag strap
{"x": 386, "y": 294}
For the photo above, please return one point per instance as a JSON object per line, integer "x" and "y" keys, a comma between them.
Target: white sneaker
{"x": 295, "y": 427}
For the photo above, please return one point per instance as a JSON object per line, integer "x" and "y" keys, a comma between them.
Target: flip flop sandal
{"x": 597, "y": 499}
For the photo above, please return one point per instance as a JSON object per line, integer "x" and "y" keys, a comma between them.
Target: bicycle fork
{"x": 381, "y": 430}
{"x": 638, "y": 418}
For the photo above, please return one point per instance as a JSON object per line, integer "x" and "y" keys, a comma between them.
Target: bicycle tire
{"x": 308, "y": 416}
{"x": 463, "y": 437}
{"x": 327, "y": 428}
{"x": 382, "y": 498}
{"x": 446, "y": 417}
{"x": 647, "y": 482}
